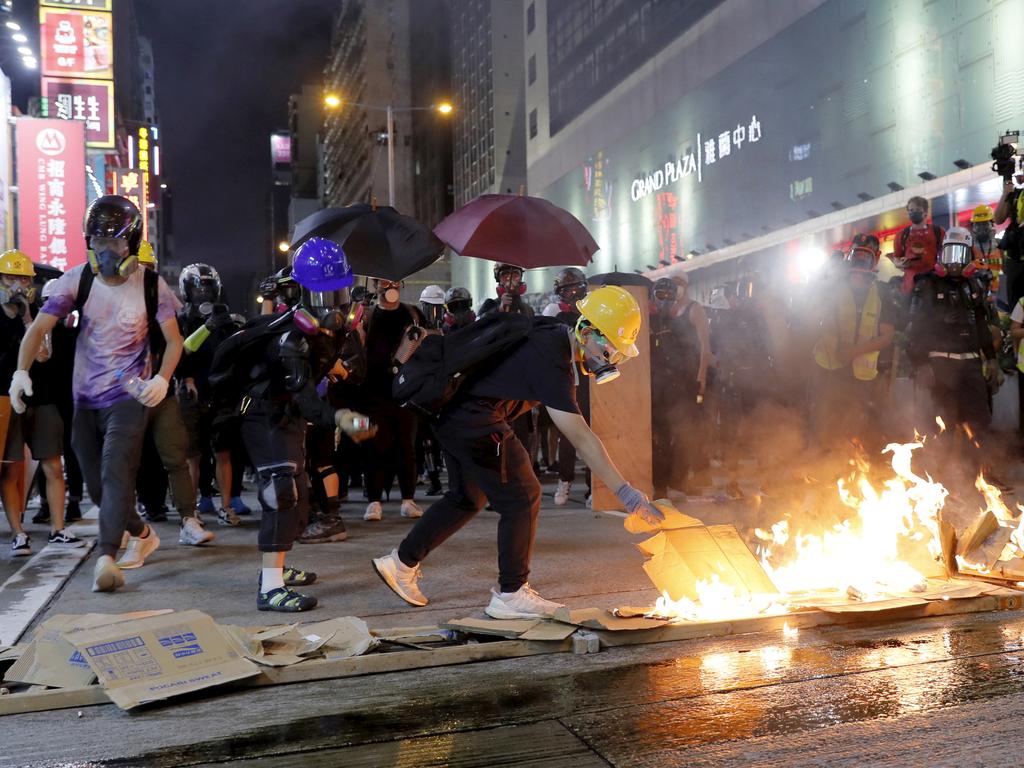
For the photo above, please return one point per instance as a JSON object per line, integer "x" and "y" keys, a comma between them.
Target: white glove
{"x": 154, "y": 392}
{"x": 21, "y": 384}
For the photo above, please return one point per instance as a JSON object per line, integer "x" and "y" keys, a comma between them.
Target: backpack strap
{"x": 84, "y": 288}
{"x": 151, "y": 294}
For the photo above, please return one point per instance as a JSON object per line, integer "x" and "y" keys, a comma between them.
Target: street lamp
{"x": 443, "y": 107}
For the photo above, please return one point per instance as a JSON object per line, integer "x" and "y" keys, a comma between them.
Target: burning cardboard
{"x": 683, "y": 558}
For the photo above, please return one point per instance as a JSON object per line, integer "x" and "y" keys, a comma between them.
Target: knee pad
{"x": 277, "y": 488}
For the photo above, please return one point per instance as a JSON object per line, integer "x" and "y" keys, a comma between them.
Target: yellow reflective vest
{"x": 843, "y": 329}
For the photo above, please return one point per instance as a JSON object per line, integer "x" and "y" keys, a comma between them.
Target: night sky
{"x": 224, "y": 71}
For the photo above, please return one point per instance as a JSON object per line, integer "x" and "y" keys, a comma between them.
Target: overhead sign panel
{"x": 91, "y": 101}
{"x": 77, "y": 43}
{"x": 51, "y": 190}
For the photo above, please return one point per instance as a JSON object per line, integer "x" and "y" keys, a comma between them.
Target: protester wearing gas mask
{"x": 458, "y": 306}
{"x": 988, "y": 256}
{"x": 125, "y": 313}
{"x": 510, "y": 288}
{"x": 268, "y": 372}
{"x": 39, "y": 426}
{"x": 952, "y": 345}
{"x": 392, "y": 451}
{"x": 206, "y": 322}
{"x": 680, "y": 355}
{"x": 570, "y": 287}
{"x": 917, "y": 245}
{"x": 858, "y": 324}
{"x": 488, "y": 463}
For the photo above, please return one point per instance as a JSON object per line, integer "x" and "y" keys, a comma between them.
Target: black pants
{"x": 108, "y": 442}
{"x": 481, "y": 469}
{"x": 276, "y": 444}
{"x": 392, "y": 451}
{"x": 959, "y": 396}
{"x": 72, "y": 471}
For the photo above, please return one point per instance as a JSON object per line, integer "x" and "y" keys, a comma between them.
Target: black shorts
{"x": 41, "y": 428}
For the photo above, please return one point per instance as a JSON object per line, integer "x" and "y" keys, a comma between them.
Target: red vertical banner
{"x": 51, "y": 190}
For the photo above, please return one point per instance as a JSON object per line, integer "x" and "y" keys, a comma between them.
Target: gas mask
{"x": 434, "y": 314}
{"x": 596, "y": 355}
{"x": 665, "y": 295}
{"x": 569, "y": 295}
{"x": 861, "y": 259}
{"x": 510, "y": 281}
{"x": 956, "y": 260}
{"x": 203, "y": 293}
{"x": 459, "y": 314}
{"x": 389, "y": 292}
{"x": 16, "y": 293}
{"x": 110, "y": 264}
{"x": 982, "y": 232}
{"x": 305, "y": 322}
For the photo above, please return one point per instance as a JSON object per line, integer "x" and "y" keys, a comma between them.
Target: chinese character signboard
{"x": 51, "y": 190}
{"x": 91, "y": 101}
{"x": 144, "y": 171}
{"x": 76, "y": 43}
{"x": 129, "y": 182}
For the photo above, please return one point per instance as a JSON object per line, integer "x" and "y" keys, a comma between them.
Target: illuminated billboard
{"x": 51, "y": 190}
{"x": 76, "y": 43}
{"x": 90, "y": 101}
{"x": 130, "y": 183}
{"x": 93, "y": 5}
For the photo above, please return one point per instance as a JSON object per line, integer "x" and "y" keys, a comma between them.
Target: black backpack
{"x": 442, "y": 364}
{"x": 151, "y": 292}
{"x": 238, "y": 360}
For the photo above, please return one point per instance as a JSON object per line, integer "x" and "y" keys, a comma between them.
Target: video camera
{"x": 1004, "y": 155}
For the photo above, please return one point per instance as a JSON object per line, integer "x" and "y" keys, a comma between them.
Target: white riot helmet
{"x": 432, "y": 294}
{"x": 957, "y": 251}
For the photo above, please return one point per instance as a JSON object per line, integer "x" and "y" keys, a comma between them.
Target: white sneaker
{"x": 138, "y": 550}
{"x": 106, "y": 576}
{"x": 21, "y": 545}
{"x": 193, "y": 532}
{"x": 374, "y": 511}
{"x": 400, "y": 578}
{"x": 411, "y": 509}
{"x": 562, "y": 493}
{"x": 524, "y": 603}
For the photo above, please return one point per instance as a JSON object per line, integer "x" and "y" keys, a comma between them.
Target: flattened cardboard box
{"x": 52, "y": 661}
{"x": 153, "y": 659}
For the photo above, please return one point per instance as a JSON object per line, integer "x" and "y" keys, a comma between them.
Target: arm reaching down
{"x": 590, "y": 448}
{"x": 21, "y": 384}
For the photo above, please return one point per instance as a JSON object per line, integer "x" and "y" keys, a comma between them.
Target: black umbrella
{"x": 378, "y": 241}
{"x": 621, "y": 279}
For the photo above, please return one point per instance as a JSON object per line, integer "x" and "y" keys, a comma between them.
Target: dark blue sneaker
{"x": 284, "y": 600}
{"x": 205, "y": 506}
{"x": 240, "y": 507}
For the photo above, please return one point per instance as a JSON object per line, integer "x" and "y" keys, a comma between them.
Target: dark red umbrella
{"x": 514, "y": 229}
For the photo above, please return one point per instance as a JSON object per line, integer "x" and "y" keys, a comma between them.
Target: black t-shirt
{"x": 382, "y": 340}
{"x": 12, "y": 329}
{"x": 536, "y": 372}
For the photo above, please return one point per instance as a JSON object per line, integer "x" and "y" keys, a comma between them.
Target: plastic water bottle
{"x": 133, "y": 385}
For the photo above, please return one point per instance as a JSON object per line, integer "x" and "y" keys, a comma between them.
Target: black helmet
{"x": 114, "y": 216}
{"x": 199, "y": 283}
{"x": 458, "y": 293}
{"x": 569, "y": 276}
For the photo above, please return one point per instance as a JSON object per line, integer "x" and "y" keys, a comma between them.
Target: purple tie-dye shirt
{"x": 113, "y": 333}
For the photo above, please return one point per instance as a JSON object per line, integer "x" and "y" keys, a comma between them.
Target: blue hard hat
{"x": 320, "y": 265}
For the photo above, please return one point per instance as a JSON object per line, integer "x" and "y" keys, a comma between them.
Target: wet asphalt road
{"x": 927, "y": 693}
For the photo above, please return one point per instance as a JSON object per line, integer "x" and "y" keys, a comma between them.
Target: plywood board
{"x": 620, "y": 414}
{"x": 510, "y": 628}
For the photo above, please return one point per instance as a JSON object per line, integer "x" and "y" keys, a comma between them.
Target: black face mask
{"x": 916, "y": 217}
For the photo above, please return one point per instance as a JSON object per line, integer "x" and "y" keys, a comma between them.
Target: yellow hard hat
{"x": 615, "y": 313}
{"x": 16, "y": 263}
{"x": 982, "y": 213}
{"x": 147, "y": 256}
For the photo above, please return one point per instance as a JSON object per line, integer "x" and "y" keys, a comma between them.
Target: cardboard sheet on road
{"x": 51, "y": 660}
{"x": 159, "y": 657}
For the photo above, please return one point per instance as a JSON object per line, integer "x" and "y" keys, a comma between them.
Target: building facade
{"x": 718, "y": 135}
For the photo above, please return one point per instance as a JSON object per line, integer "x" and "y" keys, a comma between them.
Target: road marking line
{"x": 29, "y": 589}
